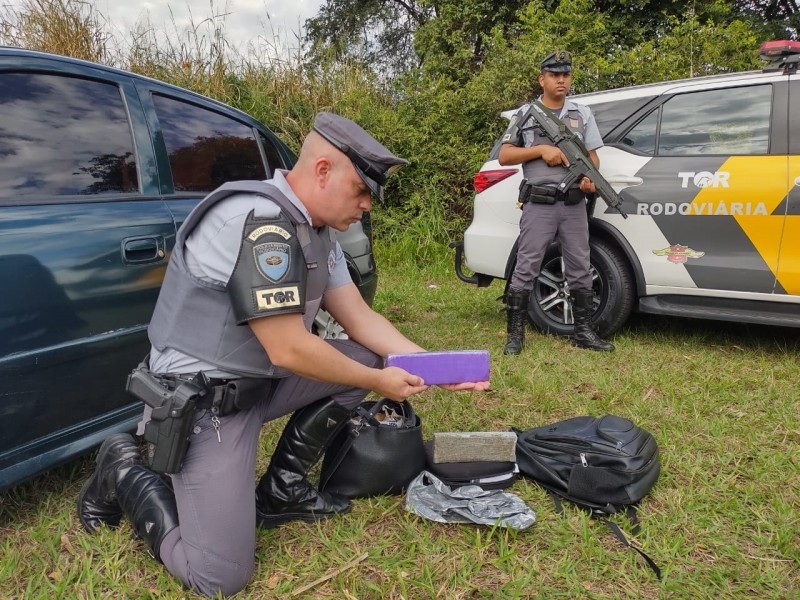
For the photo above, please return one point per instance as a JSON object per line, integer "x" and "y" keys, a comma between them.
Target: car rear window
{"x": 206, "y": 148}
{"x": 723, "y": 121}
{"x": 63, "y": 136}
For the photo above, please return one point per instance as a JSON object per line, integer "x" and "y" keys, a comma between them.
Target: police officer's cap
{"x": 559, "y": 61}
{"x": 371, "y": 159}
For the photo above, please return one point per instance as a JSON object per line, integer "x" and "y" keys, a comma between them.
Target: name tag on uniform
{"x": 275, "y": 298}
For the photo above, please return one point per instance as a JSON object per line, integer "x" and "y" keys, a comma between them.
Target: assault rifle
{"x": 580, "y": 165}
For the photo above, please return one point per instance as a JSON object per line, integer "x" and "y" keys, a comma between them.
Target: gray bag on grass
{"x": 427, "y": 496}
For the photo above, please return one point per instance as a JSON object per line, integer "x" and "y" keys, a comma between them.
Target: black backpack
{"x": 605, "y": 465}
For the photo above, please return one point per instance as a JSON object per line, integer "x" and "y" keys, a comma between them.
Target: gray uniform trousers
{"x": 538, "y": 225}
{"x": 213, "y": 549}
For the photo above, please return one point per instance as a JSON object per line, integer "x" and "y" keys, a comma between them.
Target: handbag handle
{"x": 409, "y": 416}
{"x": 369, "y": 416}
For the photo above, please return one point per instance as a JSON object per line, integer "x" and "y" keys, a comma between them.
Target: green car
{"x": 99, "y": 169}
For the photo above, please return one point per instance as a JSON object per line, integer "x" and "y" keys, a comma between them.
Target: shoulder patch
{"x": 273, "y": 260}
{"x": 277, "y": 298}
{"x": 261, "y": 231}
{"x": 270, "y": 273}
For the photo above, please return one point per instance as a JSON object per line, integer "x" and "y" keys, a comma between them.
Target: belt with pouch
{"x": 227, "y": 396}
{"x": 544, "y": 194}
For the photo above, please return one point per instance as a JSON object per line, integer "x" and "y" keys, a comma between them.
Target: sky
{"x": 246, "y": 20}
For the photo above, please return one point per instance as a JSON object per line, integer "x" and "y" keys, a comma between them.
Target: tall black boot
{"x": 582, "y": 311}
{"x": 97, "y": 500}
{"x": 123, "y": 484}
{"x": 516, "y": 307}
{"x": 284, "y": 492}
{"x": 149, "y": 503}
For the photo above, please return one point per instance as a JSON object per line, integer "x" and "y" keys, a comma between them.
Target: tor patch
{"x": 273, "y": 260}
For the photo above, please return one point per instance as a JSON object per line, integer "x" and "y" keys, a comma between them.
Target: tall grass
{"x": 68, "y": 27}
{"x": 722, "y": 521}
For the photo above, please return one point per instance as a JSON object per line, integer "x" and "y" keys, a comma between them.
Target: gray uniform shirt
{"x": 211, "y": 253}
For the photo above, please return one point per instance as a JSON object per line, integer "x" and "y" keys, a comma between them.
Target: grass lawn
{"x": 723, "y": 521}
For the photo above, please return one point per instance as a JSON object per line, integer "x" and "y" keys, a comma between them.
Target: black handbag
{"x": 378, "y": 452}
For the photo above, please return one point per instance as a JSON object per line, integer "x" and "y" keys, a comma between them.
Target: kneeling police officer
{"x": 232, "y": 348}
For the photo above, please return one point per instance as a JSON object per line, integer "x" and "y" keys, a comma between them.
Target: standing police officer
{"x": 546, "y": 211}
{"x": 251, "y": 266}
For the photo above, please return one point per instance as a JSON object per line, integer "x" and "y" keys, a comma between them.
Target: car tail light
{"x": 486, "y": 179}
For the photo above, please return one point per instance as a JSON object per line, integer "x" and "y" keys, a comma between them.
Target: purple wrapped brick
{"x": 449, "y": 366}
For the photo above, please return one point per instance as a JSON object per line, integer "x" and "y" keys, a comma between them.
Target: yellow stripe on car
{"x": 756, "y": 186}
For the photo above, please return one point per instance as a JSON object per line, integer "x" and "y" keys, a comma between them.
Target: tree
{"x": 775, "y": 18}
{"x": 378, "y": 33}
{"x": 453, "y": 38}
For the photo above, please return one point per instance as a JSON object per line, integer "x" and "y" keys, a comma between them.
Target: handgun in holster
{"x": 524, "y": 193}
{"x": 173, "y": 404}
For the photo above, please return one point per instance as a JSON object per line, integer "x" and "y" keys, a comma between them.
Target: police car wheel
{"x": 549, "y": 309}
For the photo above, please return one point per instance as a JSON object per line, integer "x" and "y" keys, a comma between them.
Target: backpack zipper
{"x": 584, "y": 462}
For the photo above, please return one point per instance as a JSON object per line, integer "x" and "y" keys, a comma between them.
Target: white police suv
{"x": 709, "y": 173}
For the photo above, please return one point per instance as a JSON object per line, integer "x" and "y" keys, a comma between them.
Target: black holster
{"x": 173, "y": 410}
{"x": 175, "y": 400}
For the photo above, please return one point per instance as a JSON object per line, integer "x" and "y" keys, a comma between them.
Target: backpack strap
{"x": 602, "y": 515}
{"x": 614, "y": 528}
{"x": 556, "y": 503}
{"x": 633, "y": 519}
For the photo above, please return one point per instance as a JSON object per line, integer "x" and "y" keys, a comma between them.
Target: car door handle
{"x": 137, "y": 250}
{"x": 624, "y": 180}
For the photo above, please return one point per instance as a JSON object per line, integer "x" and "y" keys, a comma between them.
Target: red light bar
{"x": 777, "y": 48}
{"x": 486, "y": 179}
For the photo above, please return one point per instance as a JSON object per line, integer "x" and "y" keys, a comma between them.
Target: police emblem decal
{"x": 678, "y": 254}
{"x": 272, "y": 260}
{"x": 331, "y": 261}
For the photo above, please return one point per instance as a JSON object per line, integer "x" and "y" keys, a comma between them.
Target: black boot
{"x": 284, "y": 492}
{"x": 516, "y": 307}
{"x": 97, "y": 500}
{"x": 582, "y": 311}
{"x": 149, "y": 503}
